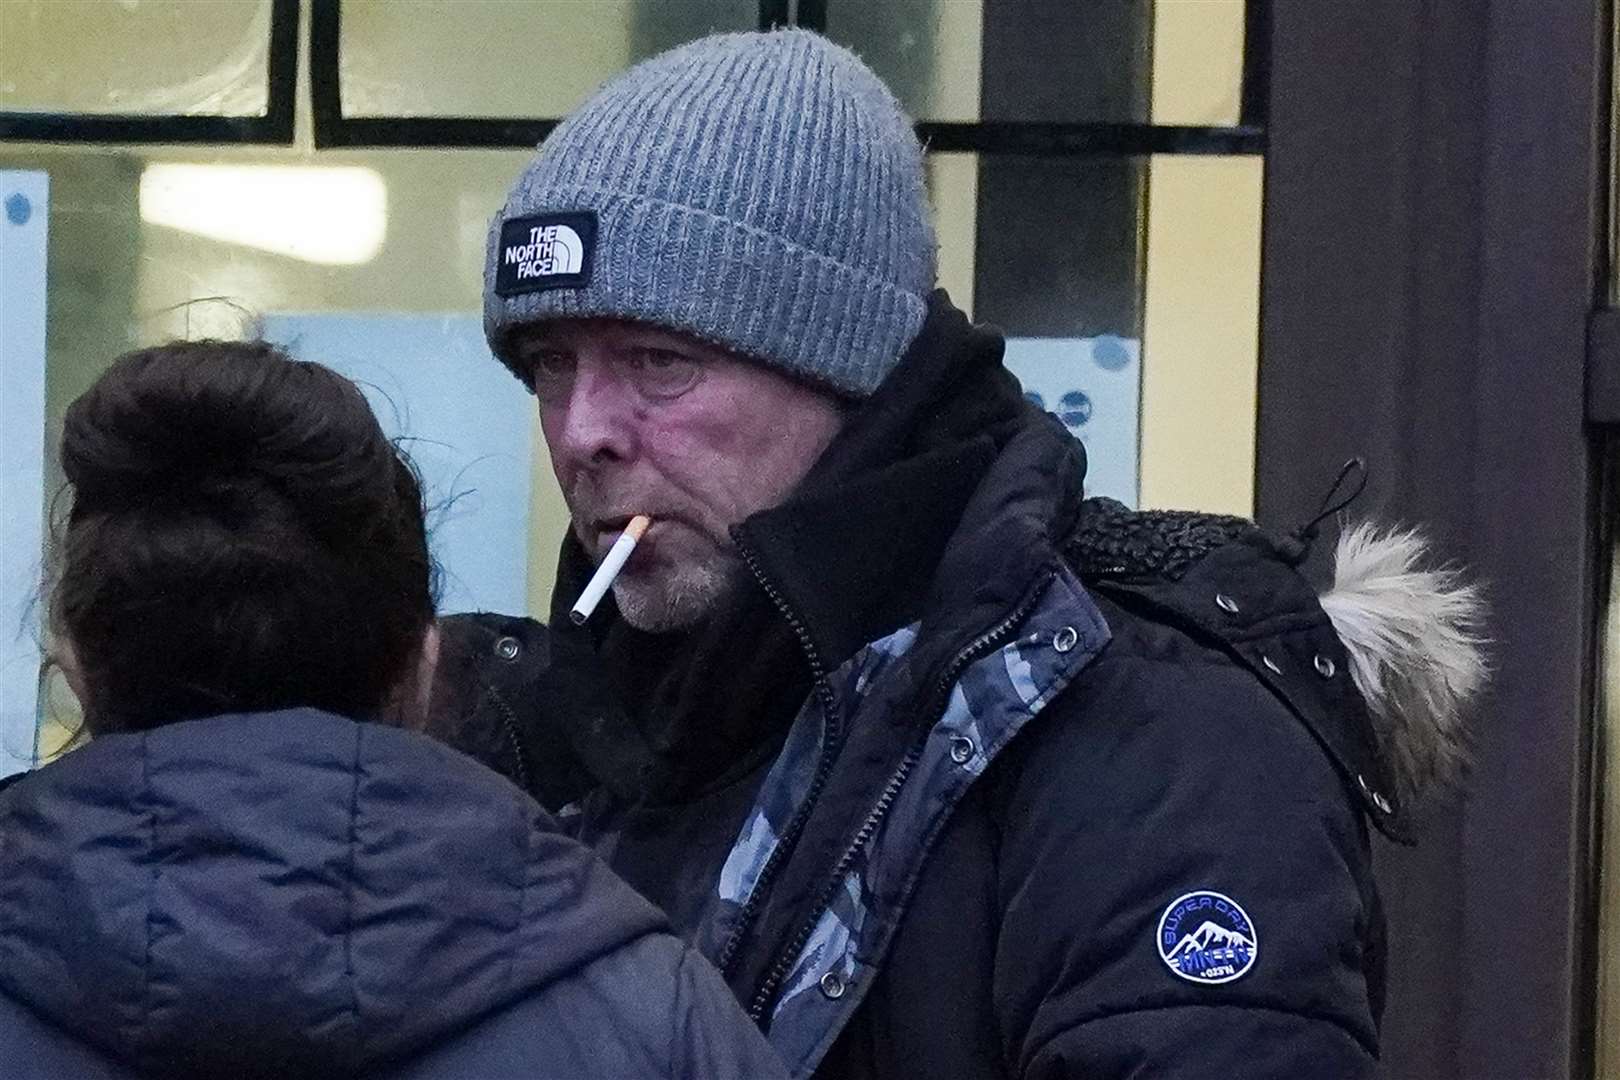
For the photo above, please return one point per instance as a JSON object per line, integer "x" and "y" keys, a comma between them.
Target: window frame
{"x": 272, "y": 127}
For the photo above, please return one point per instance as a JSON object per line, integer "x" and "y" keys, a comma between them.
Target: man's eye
{"x": 551, "y": 362}
{"x": 551, "y": 371}
{"x": 663, "y": 374}
{"x": 659, "y": 359}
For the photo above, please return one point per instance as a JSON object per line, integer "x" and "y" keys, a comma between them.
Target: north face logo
{"x": 546, "y": 251}
{"x": 552, "y": 249}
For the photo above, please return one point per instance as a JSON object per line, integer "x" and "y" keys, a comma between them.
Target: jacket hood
{"x": 287, "y": 893}
{"x": 1408, "y": 634}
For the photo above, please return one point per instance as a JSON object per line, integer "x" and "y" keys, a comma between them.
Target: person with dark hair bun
{"x": 258, "y": 865}
{"x": 243, "y": 537}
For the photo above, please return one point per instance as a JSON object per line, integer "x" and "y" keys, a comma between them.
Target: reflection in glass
{"x": 157, "y": 57}
{"x": 484, "y": 58}
{"x": 928, "y": 51}
{"x": 960, "y": 60}
{"x": 336, "y": 214}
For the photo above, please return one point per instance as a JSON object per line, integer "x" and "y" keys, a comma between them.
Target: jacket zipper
{"x": 942, "y": 689}
{"x": 833, "y": 728}
{"x": 509, "y": 724}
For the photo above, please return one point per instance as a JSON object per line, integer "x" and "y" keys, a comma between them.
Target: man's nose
{"x": 594, "y": 423}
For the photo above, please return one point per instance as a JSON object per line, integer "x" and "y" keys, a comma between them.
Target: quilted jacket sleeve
{"x": 712, "y": 1036}
{"x": 1185, "y": 885}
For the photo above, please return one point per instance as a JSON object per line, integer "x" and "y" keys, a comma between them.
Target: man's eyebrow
{"x": 680, "y": 345}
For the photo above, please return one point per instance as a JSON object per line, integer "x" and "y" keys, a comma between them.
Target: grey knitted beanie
{"x": 761, "y": 191}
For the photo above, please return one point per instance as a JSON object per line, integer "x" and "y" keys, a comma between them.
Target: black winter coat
{"x": 294, "y": 894}
{"x": 1066, "y": 790}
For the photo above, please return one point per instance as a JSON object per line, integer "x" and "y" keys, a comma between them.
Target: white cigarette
{"x": 602, "y": 580}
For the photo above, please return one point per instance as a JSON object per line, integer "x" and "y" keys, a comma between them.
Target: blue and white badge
{"x": 1205, "y": 937}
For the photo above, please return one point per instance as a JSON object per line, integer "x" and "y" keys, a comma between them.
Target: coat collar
{"x": 935, "y": 504}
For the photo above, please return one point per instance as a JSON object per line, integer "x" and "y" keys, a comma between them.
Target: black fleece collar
{"x": 938, "y": 501}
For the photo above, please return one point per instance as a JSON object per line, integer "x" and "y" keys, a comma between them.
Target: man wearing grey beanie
{"x": 951, "y": 772}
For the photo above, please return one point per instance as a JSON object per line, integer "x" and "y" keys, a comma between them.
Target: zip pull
{"x": 1296, "y": 547}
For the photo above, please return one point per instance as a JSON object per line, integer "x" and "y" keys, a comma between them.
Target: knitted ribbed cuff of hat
{"x": 726, "y": 282}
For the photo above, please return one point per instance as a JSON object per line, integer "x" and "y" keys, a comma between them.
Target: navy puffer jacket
{"x": 980, "y": 778}
{"x": 295, "y": 894}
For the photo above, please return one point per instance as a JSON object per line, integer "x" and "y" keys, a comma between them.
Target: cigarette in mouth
{"x": 602, "y": 580}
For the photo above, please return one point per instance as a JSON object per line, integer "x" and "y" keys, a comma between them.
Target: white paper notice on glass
{"x": 463, "y": 419}
{"x": 1093, "y": 385}
{"x": 23, "y": 202}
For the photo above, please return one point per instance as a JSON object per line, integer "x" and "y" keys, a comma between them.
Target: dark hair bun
{"x": 199, "y": 422}
{"x": 243, "y": 536}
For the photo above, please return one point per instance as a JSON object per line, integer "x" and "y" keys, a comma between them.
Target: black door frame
{"x": 1433, "y": 248}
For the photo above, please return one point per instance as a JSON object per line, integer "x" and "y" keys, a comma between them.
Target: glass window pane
{"x": 384, "y": 282}
{"x": 1058, "y": 244}
{"x": 1173, "y": 62}
{"x": 1047, "y": 250}
{"x": 1129, "y": 290}
{"x": 928, "y": 51}
{"x": 964, "y": 60}
{"x": 486, "y": 58}
{"x": 159, "y": 57}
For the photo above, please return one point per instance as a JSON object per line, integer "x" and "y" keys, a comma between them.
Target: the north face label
{"x": 546, "y": 251}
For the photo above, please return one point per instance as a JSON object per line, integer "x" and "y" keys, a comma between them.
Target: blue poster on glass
{"x": 1093, "y": 385}
{"x": 464, "y": 421}
{"x": 23, "y": 200}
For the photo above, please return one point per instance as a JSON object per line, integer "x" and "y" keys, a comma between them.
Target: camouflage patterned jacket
{"x": 1097, "y": 807}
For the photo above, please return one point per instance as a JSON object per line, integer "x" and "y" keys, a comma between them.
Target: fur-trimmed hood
{"x": 1408, "y": 632}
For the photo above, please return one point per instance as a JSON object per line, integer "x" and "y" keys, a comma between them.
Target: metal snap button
{"x": 961, "y": 749}
{"x": 1271, "y": 665}
{"x": 507, "y": 648}
{"x": 1377, "y": 798}
{"x": 832, "y": 985}
{"x": 1226, "y": 604}
{"x": 1324, "y": 667}
{"x": 1065, "y": 639}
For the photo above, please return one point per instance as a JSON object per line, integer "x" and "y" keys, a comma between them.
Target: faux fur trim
{"x": 1417, "y": 651}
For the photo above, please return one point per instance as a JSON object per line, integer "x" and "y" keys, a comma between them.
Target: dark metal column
{"x": 1432, "y": 212}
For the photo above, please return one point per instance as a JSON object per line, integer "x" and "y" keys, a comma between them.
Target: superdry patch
{"x": 1205, "y": 937}
{"x": 545, "y": 251}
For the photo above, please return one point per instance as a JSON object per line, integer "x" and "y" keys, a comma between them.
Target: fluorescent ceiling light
{"x": 333, "y": 214}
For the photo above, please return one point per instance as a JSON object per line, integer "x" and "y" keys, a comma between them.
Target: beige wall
{"x": 1201, "y": 333}
{"x": 1200, "y": 339}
